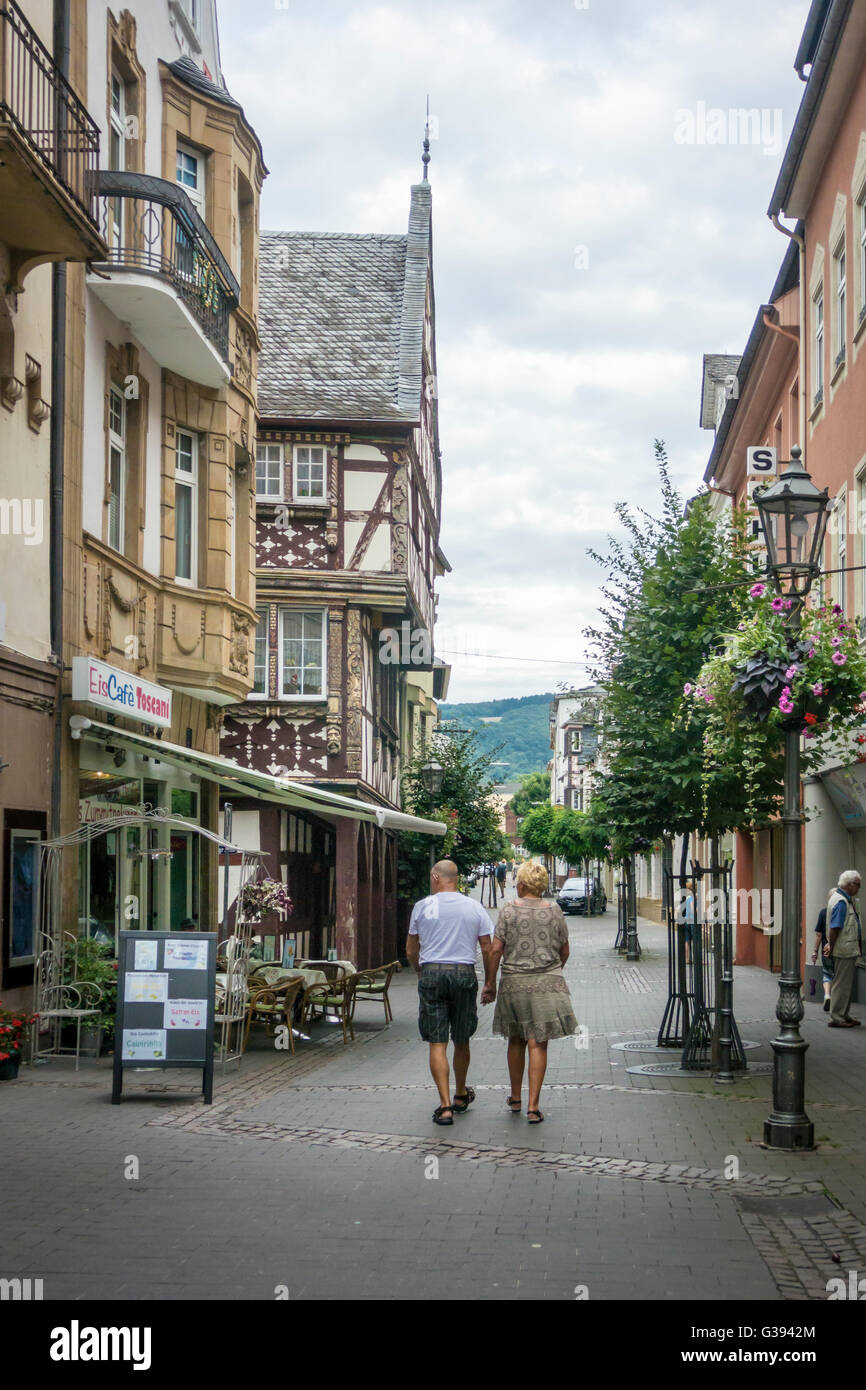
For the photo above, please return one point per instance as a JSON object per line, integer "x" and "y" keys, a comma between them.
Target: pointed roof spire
{"x": 425, "y": 157}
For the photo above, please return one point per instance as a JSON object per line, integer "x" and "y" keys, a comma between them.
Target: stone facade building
{"x": 348, "y": 500}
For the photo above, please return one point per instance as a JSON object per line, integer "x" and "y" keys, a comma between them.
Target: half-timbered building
{"x": 348, "y": 497}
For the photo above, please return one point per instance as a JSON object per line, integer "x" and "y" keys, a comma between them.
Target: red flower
{"x": 810, "y": 718}
{"x": 4, "y": 1056}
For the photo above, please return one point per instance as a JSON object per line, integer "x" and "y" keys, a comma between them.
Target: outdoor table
{"x": 347, "y": 965}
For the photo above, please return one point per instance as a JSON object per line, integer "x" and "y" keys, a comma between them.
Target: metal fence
{"x": 698, "y": 1016}
{"x": 151, "y": 225}
{"x": 37, "y": 100}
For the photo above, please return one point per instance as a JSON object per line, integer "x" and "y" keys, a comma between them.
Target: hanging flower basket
{"x": 811, "y": 678}
{"x": 261, "y": 896}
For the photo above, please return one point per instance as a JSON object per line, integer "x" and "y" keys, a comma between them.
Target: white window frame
{"x": 840, "y": 285}
{"x": 309, "y": 463}
{"x": 117, "y": 127}
{"x": 263, "y": 612}
{"x": 818, "y": 344}
{"x": 263, "y": 455}
{"x": 197, "y": 194}
{"x": 301, "y": 696}
{"x": 117, "y": 444}
{"x": 183, "y": 478}
{"x": 861, "y": 205}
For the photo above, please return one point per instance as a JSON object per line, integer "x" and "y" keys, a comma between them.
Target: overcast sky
{"x": 592, "y": 239}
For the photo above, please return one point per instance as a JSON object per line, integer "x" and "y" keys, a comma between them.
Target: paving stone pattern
{"x": 314, "y": 1170}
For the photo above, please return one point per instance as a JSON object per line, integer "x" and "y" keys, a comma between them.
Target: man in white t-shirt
{"x": 445, "y": 932}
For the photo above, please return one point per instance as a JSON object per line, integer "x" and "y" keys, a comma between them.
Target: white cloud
{"x": 555, "y": 131}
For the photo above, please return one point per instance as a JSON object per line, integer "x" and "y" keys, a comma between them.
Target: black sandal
{"x": 438, "y": 1114}
{"x": 462, "y": 1103}
{"x": 538, "y": 1113}
{"x": 513, "y": 1105}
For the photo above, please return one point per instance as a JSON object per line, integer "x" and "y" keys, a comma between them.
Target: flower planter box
{"x": 9, "y": 1068}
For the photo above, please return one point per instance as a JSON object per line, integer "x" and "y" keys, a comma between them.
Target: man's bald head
{"x": 446, "y": 871}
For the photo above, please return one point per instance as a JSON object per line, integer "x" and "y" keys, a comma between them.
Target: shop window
{"x": 184, "y": 803}
{"x": 23, "y": 832}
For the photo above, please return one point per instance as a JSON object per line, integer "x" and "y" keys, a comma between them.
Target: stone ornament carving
{"x": 243, "y": 358}
{"x": 11, "y": 391}
{"x": 354, "y": 690}
{"x": 187, "y": 648}
{"x": 332, "y": 535}
{"x": 400, "y": 519}
{"x": 239, "y": 656}
{"x": 335, "y": 682}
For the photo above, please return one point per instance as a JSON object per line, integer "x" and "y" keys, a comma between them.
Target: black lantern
{"x": 793, "y": 517}
{"x": 431, "y": 776}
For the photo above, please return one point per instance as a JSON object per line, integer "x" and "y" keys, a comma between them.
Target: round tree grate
{"x": 654, "y": 1047}
{"x": 673, "y": 1069}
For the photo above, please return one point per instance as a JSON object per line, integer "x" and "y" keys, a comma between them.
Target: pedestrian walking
{"x": 688, "y": 918}
{"x": 533, "y": 1004}
{"x": 501, "y": 875}
{"x": 826, "y": 961}
{"x": 844, "y": 946}
{"x": 445, "y": 931}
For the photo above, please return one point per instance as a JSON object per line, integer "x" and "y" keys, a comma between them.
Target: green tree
{"x": 464, "y": 804}
{"x": 534, "y": 789}
{"x": 671, "y": 590}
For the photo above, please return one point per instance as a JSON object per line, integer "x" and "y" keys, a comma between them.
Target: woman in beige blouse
{"x": 534, "y": 1005}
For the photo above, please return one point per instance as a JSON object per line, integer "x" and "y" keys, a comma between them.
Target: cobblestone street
{"x": 313, "y": 1172}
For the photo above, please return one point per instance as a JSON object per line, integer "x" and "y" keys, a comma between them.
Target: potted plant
{"x": 13, "y": 1027}
{"x": 94, "y": 964}
{"x": 260, "y": 896}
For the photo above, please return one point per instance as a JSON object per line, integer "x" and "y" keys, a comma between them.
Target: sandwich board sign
{"x": 166, "y": 986}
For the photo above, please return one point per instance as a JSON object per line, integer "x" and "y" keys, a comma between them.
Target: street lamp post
{"x": 431, "y": 778}
{"x": 793, "y": 516}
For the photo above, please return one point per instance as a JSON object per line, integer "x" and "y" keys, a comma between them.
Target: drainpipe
{"x": 801, "y": 242}
{"x": 57, "y": 444}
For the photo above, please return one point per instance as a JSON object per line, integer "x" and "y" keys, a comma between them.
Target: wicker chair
{"x": 329, "y": 968}
{"x": 374, "y": 984}
{"x": 337, "y": 995}
{"x": 269, "y": 1004}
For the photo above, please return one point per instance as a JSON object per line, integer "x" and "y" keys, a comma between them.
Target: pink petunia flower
{"x": 687, "y": 688}
{"x": 757, "y": 590}
{"x": 835, "y": 641}
{"x": 790, "y": 673}
{"x": 839, "y": 658}
{"x": 817, "y": 688}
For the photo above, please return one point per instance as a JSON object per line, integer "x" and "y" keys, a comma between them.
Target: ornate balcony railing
{"x": 38, "y": 102}
{"x": 151, "y": 225}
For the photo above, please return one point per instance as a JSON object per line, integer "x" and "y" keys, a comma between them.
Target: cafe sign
{"x": 106, "y": 686}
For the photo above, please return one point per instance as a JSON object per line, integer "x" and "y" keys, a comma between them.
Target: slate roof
{"x": 190, "y": 73}
{"x": 341, "y": 319}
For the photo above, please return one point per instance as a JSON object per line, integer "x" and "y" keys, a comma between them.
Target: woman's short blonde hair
{"x": 533, "y": 877}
